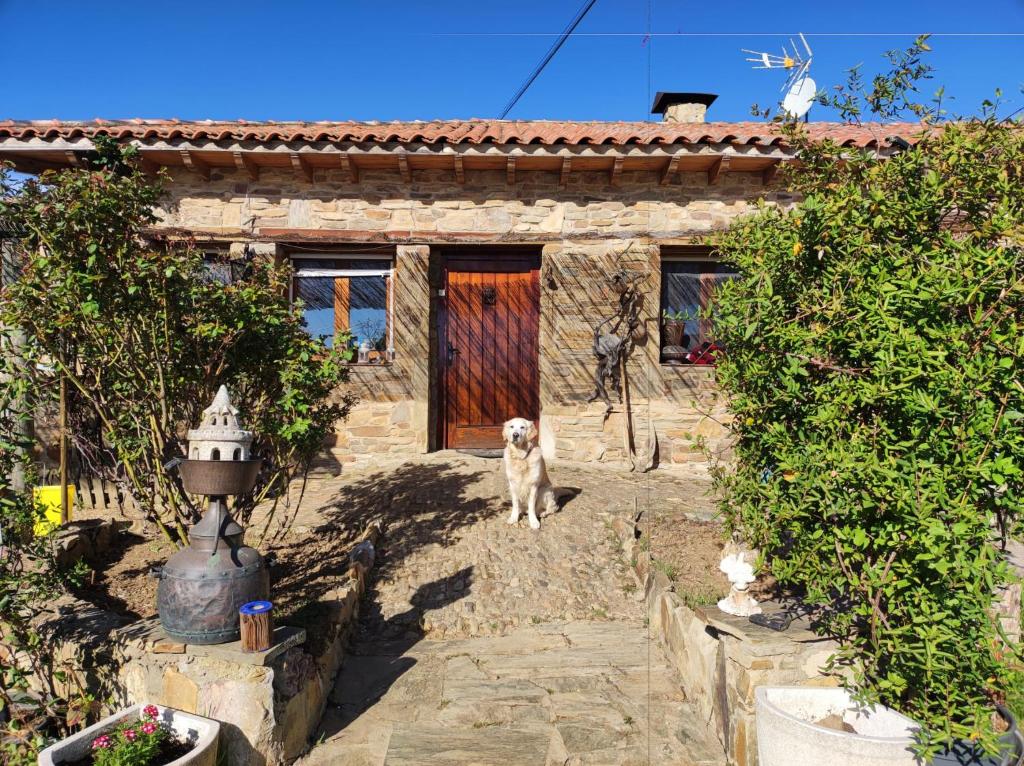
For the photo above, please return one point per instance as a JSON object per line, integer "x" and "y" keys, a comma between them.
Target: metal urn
{"x": 202, "y": 586}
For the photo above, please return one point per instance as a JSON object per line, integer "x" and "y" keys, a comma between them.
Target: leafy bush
{"x": 874, "y": 365}
{"x": 30, "y": 712}
{"x": 144, "y": 337}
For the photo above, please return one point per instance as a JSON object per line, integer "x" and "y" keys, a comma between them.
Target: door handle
{"x": 452, "y": 351}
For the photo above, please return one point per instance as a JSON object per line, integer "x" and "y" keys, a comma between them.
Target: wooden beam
{"x": 349, "y": 166}
{"x": 73, "y": 159}
{"x": 616, "y": 171}
{"x": 460, "y": 170}
{"x": 246, "y": 163}
{"x": 769, "y": 173}
{"x": 719, "y": 166}
{"x": 510, "y": 171}
{"x": 566, "y": 170}
{"x": 403, "y": 167}
{"x": 301, "y": 166}
{"x": 670, "y": 171}
{"x": 195, "y": 164}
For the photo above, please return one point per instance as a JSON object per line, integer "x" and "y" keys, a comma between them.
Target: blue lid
{"x": 255, "y": 607}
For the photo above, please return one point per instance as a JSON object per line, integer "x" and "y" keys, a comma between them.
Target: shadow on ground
{"x": 419, "y": 504}
{"x": 378, "y": 655}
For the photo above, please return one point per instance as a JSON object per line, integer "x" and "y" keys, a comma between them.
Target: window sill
{"x": 686, "y": 366}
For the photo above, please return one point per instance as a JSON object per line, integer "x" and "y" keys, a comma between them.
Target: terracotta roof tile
{"x": 541, "y": 132}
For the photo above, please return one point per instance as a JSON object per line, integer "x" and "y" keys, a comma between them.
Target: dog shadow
{"x": 563, "y": 496}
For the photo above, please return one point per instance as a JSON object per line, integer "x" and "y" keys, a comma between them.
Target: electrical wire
{"x": 584, "y": 9}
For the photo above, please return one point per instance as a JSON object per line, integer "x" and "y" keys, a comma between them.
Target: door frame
{"x": 453, "y": 255}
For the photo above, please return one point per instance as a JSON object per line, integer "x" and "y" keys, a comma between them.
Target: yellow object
{"x": 788, "y": 62}
{"x": 49, "y": 498}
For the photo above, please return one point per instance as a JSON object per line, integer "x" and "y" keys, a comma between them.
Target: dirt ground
{"x": 675, "y": 512}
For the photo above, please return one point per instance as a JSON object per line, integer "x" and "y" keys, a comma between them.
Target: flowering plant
{"x": 135, "y": 743}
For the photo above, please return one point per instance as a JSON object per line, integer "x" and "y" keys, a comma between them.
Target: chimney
{"x": 682, "y": 107}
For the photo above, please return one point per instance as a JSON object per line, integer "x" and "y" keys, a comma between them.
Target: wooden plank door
{"x": 489, "y": 347}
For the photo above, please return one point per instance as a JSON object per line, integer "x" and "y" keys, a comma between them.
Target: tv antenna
{"x": 799, "y": 86}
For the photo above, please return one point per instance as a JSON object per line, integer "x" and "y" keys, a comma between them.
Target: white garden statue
{"x": 740, "y": 573}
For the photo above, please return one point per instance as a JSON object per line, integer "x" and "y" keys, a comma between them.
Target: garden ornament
{"x": 614, "y": 344}
{"x": 203, "y": 586}
{"x": 740, "y": 573}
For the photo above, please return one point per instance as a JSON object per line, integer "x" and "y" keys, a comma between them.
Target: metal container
{"x": 219, "y": 477}
{"x": 203, "y": 586}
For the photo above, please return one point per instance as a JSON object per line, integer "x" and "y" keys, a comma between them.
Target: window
{"x": 218, "y": 266}
{"x": 687, "y": 284}
{"x": 348, "y": 294}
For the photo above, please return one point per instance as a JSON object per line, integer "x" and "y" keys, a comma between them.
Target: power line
{"x": 550, "y": 54}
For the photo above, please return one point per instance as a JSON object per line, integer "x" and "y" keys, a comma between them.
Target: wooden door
{"x": 489, "y": 347}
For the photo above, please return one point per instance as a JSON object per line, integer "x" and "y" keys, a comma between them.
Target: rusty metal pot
{"x": 219, "y": 477}
{"x": 202, "y": 586}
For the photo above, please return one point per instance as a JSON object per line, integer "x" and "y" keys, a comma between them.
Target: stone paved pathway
{"x": 485, "y": 644}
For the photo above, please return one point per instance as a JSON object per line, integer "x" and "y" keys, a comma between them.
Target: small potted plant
{"x": 673, "y": 327}
{"x": 141, "y": 735}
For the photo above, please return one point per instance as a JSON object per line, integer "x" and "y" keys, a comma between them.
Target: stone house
{"x": 472, "y": 260}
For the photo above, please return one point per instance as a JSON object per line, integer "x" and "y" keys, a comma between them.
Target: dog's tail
{"x": 564, "y": 494}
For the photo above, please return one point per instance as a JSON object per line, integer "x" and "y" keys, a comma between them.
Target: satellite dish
{"x": 799, "y": 86}
{"x": 799, "y": 97}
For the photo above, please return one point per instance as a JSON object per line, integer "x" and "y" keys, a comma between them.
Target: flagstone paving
{"x": 482, "y": 644}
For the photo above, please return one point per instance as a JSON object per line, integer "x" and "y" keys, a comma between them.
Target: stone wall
{"x": 588, "y": 206}
{"x": 679, "y": 405}
{"x": 591, "y": 229}
{"x": 722, "y": 659}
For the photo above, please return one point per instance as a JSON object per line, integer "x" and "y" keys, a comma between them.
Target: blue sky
{"x": 423, "y": 59}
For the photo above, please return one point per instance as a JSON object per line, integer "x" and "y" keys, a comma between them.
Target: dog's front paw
{"x": 512, "y": 520}
{"x": 534, "y": 524}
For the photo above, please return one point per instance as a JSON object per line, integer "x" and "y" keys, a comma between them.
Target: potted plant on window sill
{"x": 673, "y": 327}
{"x": 140, "y": 735}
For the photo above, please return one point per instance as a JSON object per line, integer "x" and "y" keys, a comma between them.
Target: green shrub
{"x": 144, "y": 336}
{"x": 874, "y": 367}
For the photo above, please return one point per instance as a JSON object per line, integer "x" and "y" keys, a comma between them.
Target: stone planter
{"x": 201, "y": 732}
{"x": 787, "y": 734}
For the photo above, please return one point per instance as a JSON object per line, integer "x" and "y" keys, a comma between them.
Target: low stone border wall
{"x": 269, "y": 703}
{"x": 722, "y": 658}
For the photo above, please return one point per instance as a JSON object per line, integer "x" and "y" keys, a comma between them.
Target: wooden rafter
{"x": 719, "y": 166}
{"x": 670, "y": 171}
{"x": 566, "y": 170}
{"x": 769, "y": 173}
{"x": 196, "y": 165}
{"x": 510, "y": 171}
{"x": 302, "y": 166}
{"x": 349, "y": 166}
{"x": 245, "y": 163}
{"x": 613, "y": 179}
{"x": 73, "y": 158}
{"x": 460, "y": 170}
{"x": 403, "y": 167}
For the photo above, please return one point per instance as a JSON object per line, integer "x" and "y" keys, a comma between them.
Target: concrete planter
{"x": 788, "y": 736}
{"x": 201, "y": 732}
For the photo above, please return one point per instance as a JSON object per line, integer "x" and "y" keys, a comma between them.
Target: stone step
{"x": 432, "y": 745}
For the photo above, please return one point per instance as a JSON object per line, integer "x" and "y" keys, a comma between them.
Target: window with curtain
{"x": 351, "y": 295}
{"x": 687, "y": 285}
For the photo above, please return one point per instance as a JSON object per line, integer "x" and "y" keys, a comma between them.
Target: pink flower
{"x": 101, "y": 742}
{"x": 130, "y": 734}
{"x": 150, "y": 711}
{"x": 149, "y": 727}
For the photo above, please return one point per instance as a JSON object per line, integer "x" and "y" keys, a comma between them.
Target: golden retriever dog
{"x": 527, "y": 475}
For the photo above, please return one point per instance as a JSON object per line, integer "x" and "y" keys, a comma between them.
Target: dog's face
{"x": 520, "y": 432}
